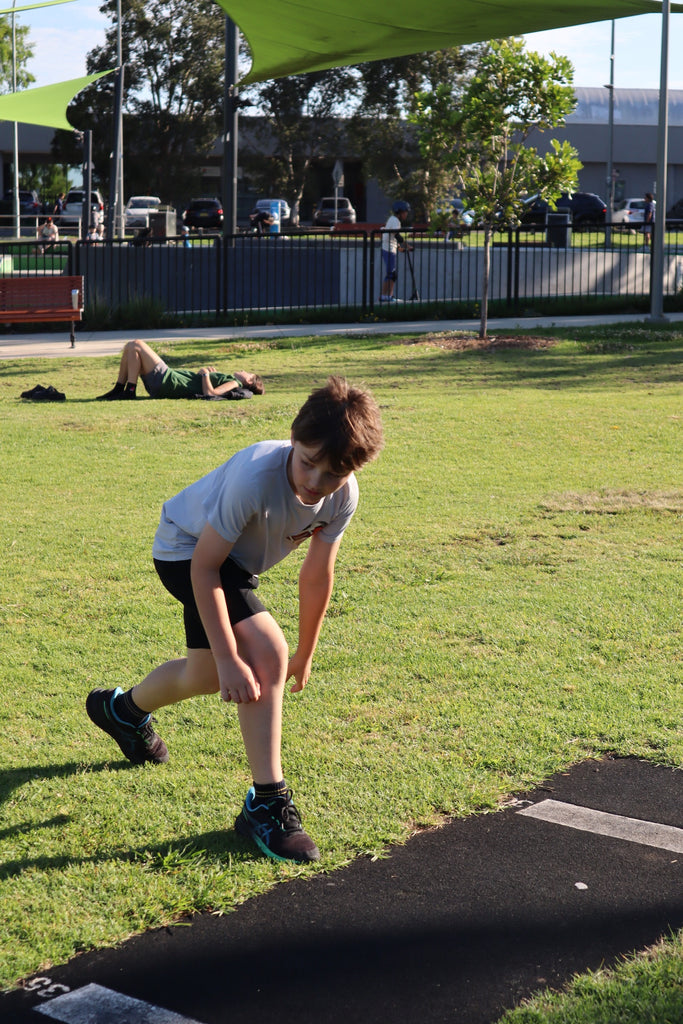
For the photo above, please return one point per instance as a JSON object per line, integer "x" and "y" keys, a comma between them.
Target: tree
{"x": 483, "y": 138}
{"x": 386, "y": 97}
{"x": 23, "y": 53}
{"x": 362, "y": 109}
{"x": 299, "y": 121}
{"x": 47, "y": 179}
{"x": 174, "y": 60}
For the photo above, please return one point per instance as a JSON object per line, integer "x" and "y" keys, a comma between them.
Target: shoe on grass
{"x": 139, "y": 743}
{"x": 275, "y": 827}
{"x": 117, "y": 393}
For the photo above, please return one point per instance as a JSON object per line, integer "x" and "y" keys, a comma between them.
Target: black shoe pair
{"x": 42, "y": 394}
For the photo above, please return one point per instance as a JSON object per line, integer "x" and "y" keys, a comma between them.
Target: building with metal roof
{"x": 634, "y": 141}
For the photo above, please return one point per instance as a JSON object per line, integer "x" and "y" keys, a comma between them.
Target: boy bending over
{"x": 213, "y": 541}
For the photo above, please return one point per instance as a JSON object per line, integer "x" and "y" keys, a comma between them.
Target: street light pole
{"x": 657, "y": 286}
{"x": 610, "y": 146}
{"x": 230, "y": 129}
{"x": 115, "y": 224}
{"x": 15, "y": 203}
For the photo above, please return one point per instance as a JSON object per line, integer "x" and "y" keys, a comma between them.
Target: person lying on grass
{"x": 138, "y": 360}
{"x": 214, "y": 539}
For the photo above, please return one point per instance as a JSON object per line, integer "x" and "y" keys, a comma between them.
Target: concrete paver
{"x": 102, "y": 343}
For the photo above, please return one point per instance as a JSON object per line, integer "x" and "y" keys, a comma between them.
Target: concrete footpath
{"x": 457, "y": 925}
{"x": 105, "y": 343}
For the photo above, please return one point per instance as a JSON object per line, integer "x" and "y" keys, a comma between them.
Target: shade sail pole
{"x": 657, "y": 286}
{"x": 230, "y": 128}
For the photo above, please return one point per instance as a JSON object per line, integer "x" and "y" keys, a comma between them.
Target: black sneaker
{"x": 42, "y": 394}
{"x": 49, "y": 394}
{"x": 139, "y": 743}
{"x": 114, "y": 395}
{"x": 275, "y": 827}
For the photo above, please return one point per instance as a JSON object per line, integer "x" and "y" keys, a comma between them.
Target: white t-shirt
{"x": 249, "y": 501}
{"x": 389, "y": 241}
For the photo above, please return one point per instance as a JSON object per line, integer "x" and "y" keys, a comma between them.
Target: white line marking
{"x": 94, "y": 1004}
{"x": 633, "y": 830}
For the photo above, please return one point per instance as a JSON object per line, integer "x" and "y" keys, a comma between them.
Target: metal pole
{"x": 120, "y": 225}
{"x": 230, "y": 132}
{"x": 113, "y": 221}
{"x": 657, "y": 288}
{"x": 610, "y": 147}
{"x": 86, "y": 216}
{"x": 15, "y": 203}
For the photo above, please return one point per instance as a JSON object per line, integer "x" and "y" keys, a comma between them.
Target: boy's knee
{"x": 267, "y": 654}
{"x": 277, "y": 657}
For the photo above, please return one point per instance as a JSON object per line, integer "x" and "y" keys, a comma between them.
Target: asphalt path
{"x": 459, "y": 924}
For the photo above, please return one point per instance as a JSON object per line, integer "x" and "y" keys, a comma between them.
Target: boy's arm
{"x": 316, "y": 580}
{"x": 235, "y": 678}
{"x": 207, "y": 387}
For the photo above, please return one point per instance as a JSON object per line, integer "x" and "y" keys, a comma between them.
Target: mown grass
{"x": 507, "y": 603}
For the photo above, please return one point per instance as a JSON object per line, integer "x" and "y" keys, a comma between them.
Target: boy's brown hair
{"x": 342, "y": 423}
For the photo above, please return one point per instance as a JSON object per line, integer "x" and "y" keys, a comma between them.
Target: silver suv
{"x": 73, "y": 208}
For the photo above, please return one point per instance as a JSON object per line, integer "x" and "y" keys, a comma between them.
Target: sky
{"x": 63, "y": 35}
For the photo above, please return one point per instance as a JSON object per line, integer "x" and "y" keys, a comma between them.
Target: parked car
{"x": 584, "y": 208}
{"x": 629, "y": 213}
{"x": 29, "y": 203}
{"x": 205, "y": 212}
{"x": 73, "y": 208}
{"x": 676, "y": 211}
{"x": 327, "y": 213}
{"x": 264, "y": 204}
{"x": 456, "y": 213}
{"x": 138, "y": 209}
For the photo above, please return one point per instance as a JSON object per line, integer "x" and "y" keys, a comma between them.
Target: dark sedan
{"x": 204, "y": 213}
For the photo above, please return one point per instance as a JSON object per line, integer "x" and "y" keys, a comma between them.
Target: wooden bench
{"x": 41, "y": 299}
{"x": 342, "y": 228}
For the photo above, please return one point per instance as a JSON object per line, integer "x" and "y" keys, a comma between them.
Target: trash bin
{"x": 558, "y": 229}
{"x": 273, "y": 208}
{"x": 162, "y": 223}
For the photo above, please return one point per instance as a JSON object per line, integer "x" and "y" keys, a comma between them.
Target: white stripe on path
{"x": 94, "y": 1004}
{"x": 633, "y": 830}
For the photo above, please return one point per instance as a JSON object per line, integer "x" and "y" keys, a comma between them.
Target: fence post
{"x": 371, "y": 269}
{"x": 516, "y": 278}
{"x": 221, "y": 297}
{"x": 364, "y": 266}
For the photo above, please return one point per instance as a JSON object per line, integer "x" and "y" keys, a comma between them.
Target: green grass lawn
{"x": 507, "y": 603}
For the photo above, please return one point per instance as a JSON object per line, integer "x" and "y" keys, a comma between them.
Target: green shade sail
{"x": 45, "y": 105}
{"x": 33, "y": 7}
{"x": 289, "y": 37}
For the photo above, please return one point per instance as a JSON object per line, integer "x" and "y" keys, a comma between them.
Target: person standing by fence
{"x": 648, "y": 218}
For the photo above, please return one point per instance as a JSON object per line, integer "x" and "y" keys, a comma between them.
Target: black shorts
{"x": 238, "y": 586}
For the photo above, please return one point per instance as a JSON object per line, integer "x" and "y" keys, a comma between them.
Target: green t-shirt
{"x": 187, "y": 383}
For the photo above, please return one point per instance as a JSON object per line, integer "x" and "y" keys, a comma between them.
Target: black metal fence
{"x": 340, "y": 274}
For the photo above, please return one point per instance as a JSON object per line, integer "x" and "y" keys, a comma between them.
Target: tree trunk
{"x": 483, "y": 324}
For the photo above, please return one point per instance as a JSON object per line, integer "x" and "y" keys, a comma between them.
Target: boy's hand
{"x": 238, "y": 683}
{"x": 300, "y": 668}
